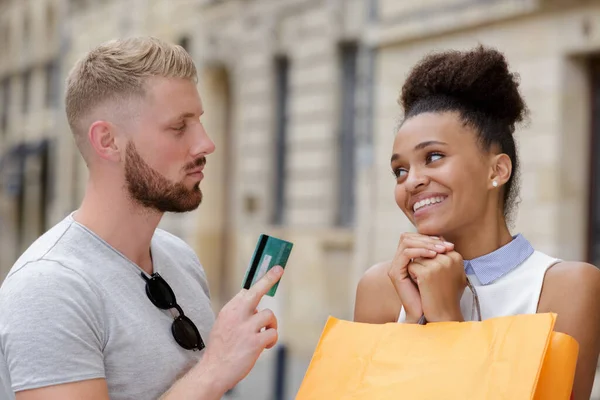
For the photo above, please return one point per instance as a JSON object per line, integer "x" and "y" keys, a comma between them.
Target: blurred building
{"x": 300, "y": 99}
{"x": 29, "y": 116}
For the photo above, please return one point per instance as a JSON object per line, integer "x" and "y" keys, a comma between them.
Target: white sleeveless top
{"x": 517, "y": 292}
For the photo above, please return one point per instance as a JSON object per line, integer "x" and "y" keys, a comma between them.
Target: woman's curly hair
{"x": 478, "y": 85}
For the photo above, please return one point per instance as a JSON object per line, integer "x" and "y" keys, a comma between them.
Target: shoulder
{"x": 44, "y": 273}
{"x": 376, "y": 298}
{"x": 45, "y": 288}
{"x": 569, "y": 286}
{"x": 52, "y": 241}
{"x": 46, "y": 281}
{"x": 377, "y": 275}
{"x": 573, "y": 274}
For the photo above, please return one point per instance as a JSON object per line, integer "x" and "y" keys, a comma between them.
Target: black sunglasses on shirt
{"x": 161, "y": 295}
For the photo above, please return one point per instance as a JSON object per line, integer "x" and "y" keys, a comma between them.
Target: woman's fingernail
{"x": 440, "y": 247}
{"x": 449, "y": 244}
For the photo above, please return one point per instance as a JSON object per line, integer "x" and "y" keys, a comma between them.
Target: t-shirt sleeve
{"x": 51, "y": 327}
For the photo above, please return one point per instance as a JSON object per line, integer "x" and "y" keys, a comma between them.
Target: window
{"x": 281, "y": 115}
{"x": 184, "y": 42}
{"x": 8, "y": 38}
{"x": 346, "y": 179}
{"x": 26, "y": 89}
{"x": 4, "y": 37}
{"x": 33, "y": 190}
{"x": 77, "y": 6}
{"x": 50, "y": 22}
{"x": 594, "y": 199}
{"x": 51, "y": 72}
{"x": 26, "y": 31}
{"x": 45, "y": 182}
{"x": 5, "y": 88}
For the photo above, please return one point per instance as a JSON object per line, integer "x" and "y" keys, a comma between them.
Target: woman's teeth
{"x": 427, "y": 202}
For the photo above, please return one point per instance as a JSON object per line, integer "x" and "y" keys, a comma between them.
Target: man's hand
{"x": 240, "y": 334}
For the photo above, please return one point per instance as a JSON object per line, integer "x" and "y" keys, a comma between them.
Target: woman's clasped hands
{"x": 429, "y": 277}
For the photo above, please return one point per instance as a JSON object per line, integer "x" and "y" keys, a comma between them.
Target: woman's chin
{"x": 430, "y": 229}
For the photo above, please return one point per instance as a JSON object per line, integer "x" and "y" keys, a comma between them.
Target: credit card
{"x": 269, "y": 252}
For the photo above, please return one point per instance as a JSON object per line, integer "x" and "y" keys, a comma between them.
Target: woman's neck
{"x": 479, "y": 239}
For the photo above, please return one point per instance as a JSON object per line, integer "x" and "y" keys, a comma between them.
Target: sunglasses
{"x": 161, "y": 295}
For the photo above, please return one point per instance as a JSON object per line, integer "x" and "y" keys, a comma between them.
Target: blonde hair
{"x": 118, "y": 70}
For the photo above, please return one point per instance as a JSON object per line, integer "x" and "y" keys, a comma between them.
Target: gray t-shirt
{"x": 73, "y": 308}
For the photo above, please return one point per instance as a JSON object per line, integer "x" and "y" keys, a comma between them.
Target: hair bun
{"x": 479, "y": 79}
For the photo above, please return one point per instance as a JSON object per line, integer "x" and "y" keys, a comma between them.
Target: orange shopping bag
{"x": 516, "y": 357}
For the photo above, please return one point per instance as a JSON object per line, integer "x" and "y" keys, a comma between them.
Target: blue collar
{"x": 500, "y": 262}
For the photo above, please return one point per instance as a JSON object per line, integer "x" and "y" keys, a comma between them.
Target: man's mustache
{"x": 198, "y": 162}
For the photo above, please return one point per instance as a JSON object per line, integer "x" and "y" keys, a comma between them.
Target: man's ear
{"x": 103, "y": 141}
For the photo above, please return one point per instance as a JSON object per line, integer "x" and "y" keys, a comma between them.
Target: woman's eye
{"x": 179, "y": 128}
{"x": 399, "y": 172}
{"x": 431, "y": 157}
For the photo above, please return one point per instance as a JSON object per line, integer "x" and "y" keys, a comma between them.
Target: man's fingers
{"x": 264, "y": 284}
{"x": 264, "y": 319}
{"x": 268, "y": 338}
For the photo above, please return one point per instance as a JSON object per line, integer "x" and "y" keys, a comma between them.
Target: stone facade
{"x": 237, "y": 46}
{"x": 29, "y": 114}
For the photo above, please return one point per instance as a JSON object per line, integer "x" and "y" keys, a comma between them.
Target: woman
{"x": 456, "y": 167}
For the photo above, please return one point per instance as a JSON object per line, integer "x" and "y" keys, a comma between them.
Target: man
{"x": 105, "y": 305}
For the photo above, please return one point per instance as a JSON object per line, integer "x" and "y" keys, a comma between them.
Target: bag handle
{"x": 475, "y": 309}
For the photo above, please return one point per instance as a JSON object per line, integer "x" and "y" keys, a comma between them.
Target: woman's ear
{"x": 501, "y": 170}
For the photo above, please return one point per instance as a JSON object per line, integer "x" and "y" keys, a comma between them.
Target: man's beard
{"x": 152, "y": 190}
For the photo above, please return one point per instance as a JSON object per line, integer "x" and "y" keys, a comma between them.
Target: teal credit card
{"x": 270, "y": 251}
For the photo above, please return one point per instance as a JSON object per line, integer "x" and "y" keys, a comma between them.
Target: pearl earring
{"x": 495, "y": 184}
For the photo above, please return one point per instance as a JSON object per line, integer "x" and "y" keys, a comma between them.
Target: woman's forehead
{"x": 445, "y": 127}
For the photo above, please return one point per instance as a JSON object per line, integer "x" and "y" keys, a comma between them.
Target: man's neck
{"x": 121, "y": 222}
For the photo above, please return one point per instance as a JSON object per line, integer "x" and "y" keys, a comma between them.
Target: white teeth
{"x": 426, "y": 202}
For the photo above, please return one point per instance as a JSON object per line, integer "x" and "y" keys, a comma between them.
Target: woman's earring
{"x": 494, "y": 184}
